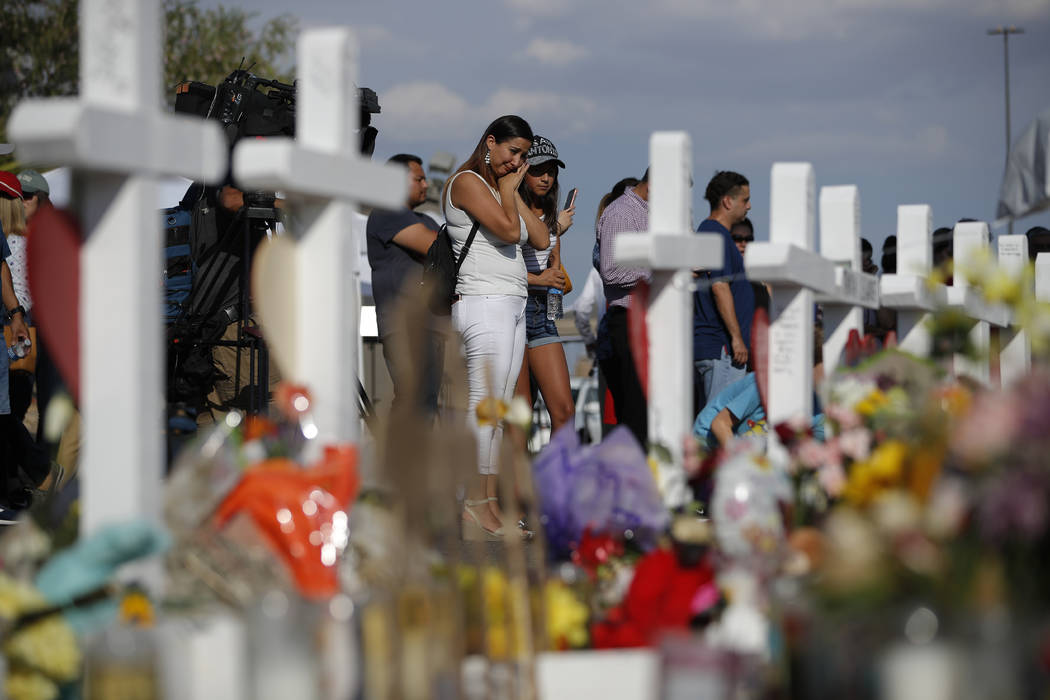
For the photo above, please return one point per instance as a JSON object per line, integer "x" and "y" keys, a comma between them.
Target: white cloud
{"x": 554, "y": 52}
{"x": 424, "y": 107}
{"x": 439, "y": 113}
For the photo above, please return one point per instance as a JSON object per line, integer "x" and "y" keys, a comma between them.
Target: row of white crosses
{"x": 800, "y": 277}
{"x": 118, "y": 142}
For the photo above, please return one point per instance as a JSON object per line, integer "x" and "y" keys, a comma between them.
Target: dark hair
{"x": 746, "y": 223}
{"x": 1038, "y": 241}
{"x": 615, "y": 193}
{"x": 645, "y": 176}
{"x": 866, "y": 248}
{"x": 725, "y": 182}
{"x": 889, "y": 255}
{"x": 503, "y": 129}
{"x": 548, "y": 203}
{"x": 405, "y": 159}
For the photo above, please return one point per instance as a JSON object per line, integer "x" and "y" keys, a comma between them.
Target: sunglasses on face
{"x": 28, "y": 196}
{"x": 743, "y": 239}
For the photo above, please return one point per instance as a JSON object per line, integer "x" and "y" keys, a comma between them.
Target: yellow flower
{"x": 654, "y": 468}
{"x": 21, "y": 684}
{"x": 871, "y": 403}
{"x": 887, "y": 461}
{"x": 566, "y": 617}
{"x": 490, "y": 410}
{"x": 1001, "y": 287}
{"x": 136, "y": 609}
{"x": 884, "y": 468}
{"x": 48, "y": 646}
{"x": 494, "y": 595}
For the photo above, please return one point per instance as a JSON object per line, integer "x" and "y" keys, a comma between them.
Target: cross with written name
{"x": 117, "y": 140}
{"x": 1015, "y": 354}
{"x": 970, "y": 240}
{"x": 796, "y": 273}
{"x": 322, "y": 174}
{"x": 672, "y": 250}
{"x": 855, "y": 290}
{"x": 909, "y": 291}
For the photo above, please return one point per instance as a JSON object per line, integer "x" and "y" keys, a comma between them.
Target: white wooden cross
{"x": 796, "y": 273}
{"x": 118, "y": 141}
{"x": 322, "y": 174}
{"x": 909, "y": 290}
{"x": 969, "y": 240}
{"x": 1042, "y": 277}
{"x": 1015, "y": 354}
{"x": 672, "y": 250}
{"x": 855, "y": 290}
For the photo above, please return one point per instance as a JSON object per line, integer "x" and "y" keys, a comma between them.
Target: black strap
{"x": 466, "y": 246}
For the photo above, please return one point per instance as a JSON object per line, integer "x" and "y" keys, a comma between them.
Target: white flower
{"x": 59, "y": 412}
{"x": 519, "y": 413}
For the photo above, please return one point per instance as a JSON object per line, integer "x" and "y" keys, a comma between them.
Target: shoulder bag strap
{"x": 466, "y": 246}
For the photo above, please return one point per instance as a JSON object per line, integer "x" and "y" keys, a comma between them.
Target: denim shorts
{"x": 539, "y": 330}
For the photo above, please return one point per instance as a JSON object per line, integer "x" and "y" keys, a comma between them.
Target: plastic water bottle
{"x": 18, "y": 349}
{"x": 554, "y": 297}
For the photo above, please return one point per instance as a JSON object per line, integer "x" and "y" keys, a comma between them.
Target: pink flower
{"x": 844, "y": 416}
{"x": 812, "y": 454}
{"x": 856, "y": 443}
{"x": 833, "y": 478}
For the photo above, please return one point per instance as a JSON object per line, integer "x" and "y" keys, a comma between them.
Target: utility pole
{"x": 1006, "y": 32}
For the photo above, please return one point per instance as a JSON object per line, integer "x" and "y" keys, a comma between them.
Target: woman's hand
{"x": 509, "y": 182}
{"x": 551, "y": 277}
{"x": 565, "y": 219}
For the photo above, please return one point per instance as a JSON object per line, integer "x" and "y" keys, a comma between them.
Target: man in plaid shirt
{"x": 629, "y": 213}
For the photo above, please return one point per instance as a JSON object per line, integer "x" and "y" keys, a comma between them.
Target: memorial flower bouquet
{"x": 874, "y": 486}
{"x": 256, "y": 491}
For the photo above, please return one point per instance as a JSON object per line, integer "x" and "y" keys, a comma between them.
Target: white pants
{"x": 493, "y": 331}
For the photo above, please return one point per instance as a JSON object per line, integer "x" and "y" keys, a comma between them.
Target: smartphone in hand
{"x": 571, "y": 199}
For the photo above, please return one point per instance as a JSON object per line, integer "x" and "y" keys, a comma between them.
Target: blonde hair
{"x": 12, "y": 216}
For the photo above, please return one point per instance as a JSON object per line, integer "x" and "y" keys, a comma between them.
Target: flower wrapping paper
{"x": 607, "y": 487}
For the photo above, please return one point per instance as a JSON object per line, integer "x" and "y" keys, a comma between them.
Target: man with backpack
{"x": 397, "y": 242}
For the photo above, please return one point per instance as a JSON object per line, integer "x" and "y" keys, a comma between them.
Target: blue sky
{"x": 903, "y": 98}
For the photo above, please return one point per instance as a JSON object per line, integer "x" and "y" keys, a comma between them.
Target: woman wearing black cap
{"x": 544, "y": 356}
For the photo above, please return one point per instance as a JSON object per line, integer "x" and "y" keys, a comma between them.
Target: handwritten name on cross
{"x": 855, "y": 290}
{"x": 969, "y": 240}
{"x": 909, "y": 291}
{"x": 672, "y": 250}
{"x": 118, "y": 141}
{"x": 796, "y": 273}
{"x": 322, "y": 174}
{"x": 1015, "y": 354}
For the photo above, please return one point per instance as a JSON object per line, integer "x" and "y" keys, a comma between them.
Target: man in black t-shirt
{"x": 398, "y": 241}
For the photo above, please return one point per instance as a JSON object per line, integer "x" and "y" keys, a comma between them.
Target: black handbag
{"x": 440, "y": 270}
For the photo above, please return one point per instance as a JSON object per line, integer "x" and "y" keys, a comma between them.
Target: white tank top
{"x": 491, "y": 266}
{"x": 536, "y": 260}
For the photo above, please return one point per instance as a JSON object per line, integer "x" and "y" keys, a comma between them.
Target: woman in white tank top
{"x": 490, "y": 311}
{"x": 544, "y": 355}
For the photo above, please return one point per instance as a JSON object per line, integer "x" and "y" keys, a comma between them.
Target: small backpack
{"x": 441, "y": 269}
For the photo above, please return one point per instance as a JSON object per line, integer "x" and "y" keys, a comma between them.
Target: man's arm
{"x": 416, "y": 238}
{"x": 7, "y": 290}
{"x": 727, "y": 310}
